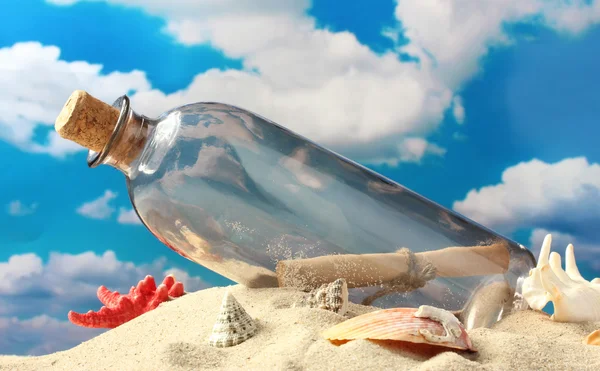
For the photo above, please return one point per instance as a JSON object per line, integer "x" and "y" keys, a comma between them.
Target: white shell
{"x": 574, "y": 298}
{"x": 533, "y": 290}
{"x": 448, "y": 320}
{"x": 332, "y": 296}
{"x": 233, "y": 325}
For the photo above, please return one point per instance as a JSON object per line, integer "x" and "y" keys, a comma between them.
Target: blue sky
{"x": 491, "y": 110}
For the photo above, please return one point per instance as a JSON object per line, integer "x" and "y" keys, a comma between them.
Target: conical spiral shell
{"x": 233, "y": 325}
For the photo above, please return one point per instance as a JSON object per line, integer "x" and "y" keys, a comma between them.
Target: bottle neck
{"x": 127, "y": 141}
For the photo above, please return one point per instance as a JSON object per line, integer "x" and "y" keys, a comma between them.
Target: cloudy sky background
{"x": 487, "y": 107}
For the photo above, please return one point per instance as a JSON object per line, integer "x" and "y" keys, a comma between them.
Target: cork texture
{"x": 86, "y": 121}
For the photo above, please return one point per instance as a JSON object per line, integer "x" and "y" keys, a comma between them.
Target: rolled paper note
{"x": 362, "y": 270}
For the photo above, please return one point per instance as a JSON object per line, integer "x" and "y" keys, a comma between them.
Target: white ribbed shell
{"x": 233, "y": 325}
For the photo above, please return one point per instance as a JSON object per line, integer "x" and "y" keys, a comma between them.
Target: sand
{"x": 174, "y": 337}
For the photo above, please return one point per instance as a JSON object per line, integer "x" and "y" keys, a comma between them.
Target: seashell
{"x": 574, "y": 298}
{"x": 233, "y": 325}
{"x": 593, "y": 338}
{"x": 428, "y": 325}
{"x": 332, "y": 296}
{"x": 533, "y": 290}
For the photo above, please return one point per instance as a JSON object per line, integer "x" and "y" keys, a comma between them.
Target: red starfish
{"x": 121, "y": 308}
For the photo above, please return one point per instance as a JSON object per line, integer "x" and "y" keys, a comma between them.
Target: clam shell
{"x": 399, "y": 324}
{"x": 233, "y": 326}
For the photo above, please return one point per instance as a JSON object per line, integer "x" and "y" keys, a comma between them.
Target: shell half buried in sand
{"x": 426, "y": 325}
{"x": 332, "y": 297}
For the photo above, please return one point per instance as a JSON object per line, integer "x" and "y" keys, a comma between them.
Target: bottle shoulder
{"x": 180, "y": 134}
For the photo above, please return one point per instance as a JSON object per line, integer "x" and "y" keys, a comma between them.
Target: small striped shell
{"x": 426, "y": 325}
{"x": 233, "y": 326}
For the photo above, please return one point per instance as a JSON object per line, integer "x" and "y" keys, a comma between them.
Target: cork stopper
{"x": 86, "y": 121}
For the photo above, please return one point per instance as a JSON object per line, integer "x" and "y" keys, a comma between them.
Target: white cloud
{"x": 42, "y": 334}
{"x": 458, "y": 110}
{"x": 413, "y": 149}
{"x": 585, "y": 253}
{"x": 560, "y": 241}
{"x": 17, "y": 208}
{"x": 69, "y": 280}
{"x": 101, "y": 208}
{"x": 190, "y": 283}
{"x": 98, "y": 208}
{"x": 453, "y": 35}
{"x": 561, "y": 198}
{"x": 536, "y": 194}
{"x": 324, "y": 85}
{"x": 18, "y": 267}
{"x": 38, "y": 292}
{"x": 410, "y": 150}
{"x": 349, "y": 98}
{"x": 36, "y": 84}
{"x": 128, "y": 217}
{"x": 329, "y": 87}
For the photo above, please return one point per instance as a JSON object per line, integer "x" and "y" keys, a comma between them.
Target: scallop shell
{"x": 428, "y": 325}
{"x": 593, "y": 338}
{"x": 574, "y": 298}
{"x": 233, "y": 325}
{"x": 332, "y": 296}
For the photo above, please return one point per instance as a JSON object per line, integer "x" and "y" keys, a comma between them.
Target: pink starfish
{"x": 119, "y": 308}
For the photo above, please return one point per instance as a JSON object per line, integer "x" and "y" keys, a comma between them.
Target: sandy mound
{"x": 174, "y": 337}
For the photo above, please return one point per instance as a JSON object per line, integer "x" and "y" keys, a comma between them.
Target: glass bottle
{"x": 265, "y": 207}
